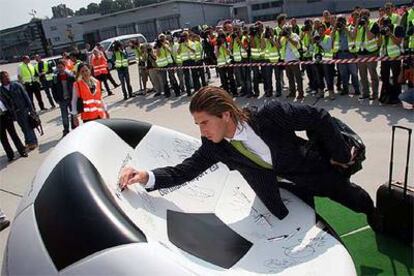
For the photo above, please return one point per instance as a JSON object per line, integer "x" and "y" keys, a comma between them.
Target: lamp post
{"x": 204, "y": 14}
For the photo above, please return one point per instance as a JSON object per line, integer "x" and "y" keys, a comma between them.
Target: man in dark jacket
{"x": 62, "y": 85}
{"x": 7, "y": 126}
{"x": 262, "y": 145}
{"x": 20, "y": 105}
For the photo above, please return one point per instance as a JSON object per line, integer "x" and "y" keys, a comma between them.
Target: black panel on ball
{"x": 207, "y": 237}
{"x": 130, "y": 131}
{"x": 77, "y": 215}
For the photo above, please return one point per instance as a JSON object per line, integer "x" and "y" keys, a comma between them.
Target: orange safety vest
{"x": 69, "y": 65}
{"x": 93, "y": 107}
{"x": 100, "y": 65}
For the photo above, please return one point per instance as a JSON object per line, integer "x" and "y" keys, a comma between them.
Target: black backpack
{"x": 351, "y": 140}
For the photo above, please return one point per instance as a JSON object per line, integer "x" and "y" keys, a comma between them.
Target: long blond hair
{"x": 215, "y": 100}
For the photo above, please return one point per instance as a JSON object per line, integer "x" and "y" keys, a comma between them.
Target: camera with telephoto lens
{"x": 318, "y": 57}
{"x": 385, "y": 30}
{"x": 158, "y": 44}
{"x": 253, "y": 30}
{"x": 363, "y": 21}
{"x": 285, "y": 32}
{"x": 317, "y": 37}
{"x": 410, "y": 30}
{"x": 306, "y": 28}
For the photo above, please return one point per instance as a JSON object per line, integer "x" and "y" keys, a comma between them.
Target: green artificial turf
{"x": 373, "y": 254}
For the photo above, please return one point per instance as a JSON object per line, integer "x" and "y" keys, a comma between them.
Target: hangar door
{"x": 148, "y": 29}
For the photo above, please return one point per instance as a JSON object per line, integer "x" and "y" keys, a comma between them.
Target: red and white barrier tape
{"x": 254, "y": 64}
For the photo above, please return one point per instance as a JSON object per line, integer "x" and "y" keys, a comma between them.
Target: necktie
{"x": 239, "y": 146}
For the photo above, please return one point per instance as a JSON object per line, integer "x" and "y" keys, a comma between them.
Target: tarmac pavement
{"x": 371, "y": 120}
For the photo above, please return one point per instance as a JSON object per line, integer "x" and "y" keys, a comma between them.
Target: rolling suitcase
{"x": 395, "y": 200}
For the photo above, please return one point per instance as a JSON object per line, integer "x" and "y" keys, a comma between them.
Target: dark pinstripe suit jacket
{"x": 276, "y": 124}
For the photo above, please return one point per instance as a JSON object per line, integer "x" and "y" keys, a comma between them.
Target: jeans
{"x": 295, "y": 79}
{"x": 46, "y": 86}
{"x": 407, "y": 96}
{"x": 328, "y": 72}
{"x": 104, "y": 80}
{"x": 64, "y": 112}
{"x": 123, "y": 75}
{"x": 23, "y": 121}
{"x": 34, "y": 88}
{"x": 346, "y": 70}
{"x": 364, "y": 68}
{"x": 246, "y": 85}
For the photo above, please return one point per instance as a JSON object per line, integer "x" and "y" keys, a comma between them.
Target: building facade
{"x": 152, "y": 19}
{"x": 64, "y": 33}
{"x": 26, "y": 39}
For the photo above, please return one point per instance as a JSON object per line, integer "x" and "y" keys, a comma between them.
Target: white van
{"x": 107, "y": 44}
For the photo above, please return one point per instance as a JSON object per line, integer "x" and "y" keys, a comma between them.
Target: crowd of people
{"x": 77, "y": 82}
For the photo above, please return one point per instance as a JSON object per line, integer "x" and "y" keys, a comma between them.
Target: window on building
{"x": 256, "y": 7}
{"x": 53, "y": 28}
{"x": 311, "y": 1}
{"x": 56, "y": 39}
{"x": 265, "y": 6}
{"x": 126, "y": 29}
{"x": 277, "y": 4}
{"x": 69, "y": 25}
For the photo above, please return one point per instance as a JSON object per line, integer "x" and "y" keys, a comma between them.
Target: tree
{"x": 123, "y": 5}
{"x": 81, "y": 11}
{"x": 92, "y": 8}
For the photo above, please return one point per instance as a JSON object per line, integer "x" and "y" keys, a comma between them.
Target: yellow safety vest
{"x": 198, "y": 50}
{"x": 176, "y": 56}
{"x": 186, "y": 54}
{"x": 256, "y": 50}
{"x": 389, "y": 48}
{"x": 371, "y": 45}
{"x": 284, "y": 42}
{"x": 327, "y": 55}
{"x": 237, "y": 51}
{"x": 162, "y": 60}
{"x": 243, "y": 52}
{"x": 27, "y": 73}
{"x": 410, "y": 18}
{"x": 272, "y": 52}
{"x": 223, "y": 58}
{"x": 306, "y": 43}
{"x": 336, "y": 45}
{"x": 49, "y": 76}
{"x": 120, "y": 60}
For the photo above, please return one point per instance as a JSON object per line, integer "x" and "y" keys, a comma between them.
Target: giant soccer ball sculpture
{"x": 73, "y": 219}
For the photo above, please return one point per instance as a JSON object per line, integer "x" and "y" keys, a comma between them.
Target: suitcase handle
{"x": 392, "y": 157}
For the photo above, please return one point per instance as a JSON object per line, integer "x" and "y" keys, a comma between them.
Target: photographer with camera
{"x": 365, "y": 34}
{"x": 344, "y": 48}
{"x": 271, "y": 46}
{"x": 407, "y": 22}
{"x": 121, "y": 65}
{"x": 165, "y": 60}
{"x": 391, "y": 14}
{"x": 187, "y": 52}
{"x": 226, "y": 74}
{"x": 307, "y": 53}
{"x": 255, "y": 33}
{"x": 391, "y": 46}
{"x": 199, "y": 58}
{"x": 323, "y": 51}
{"x": 238, "y": 53}
{"x": 154, "y": 75}
{"x": 289, "y": 52}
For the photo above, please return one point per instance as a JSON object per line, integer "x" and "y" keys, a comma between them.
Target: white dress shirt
{"x": 251, "y": 141}
{"x": 2, "y": 107}
{"x": 290, "y": 56}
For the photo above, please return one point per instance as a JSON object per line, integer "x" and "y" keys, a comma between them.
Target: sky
{"x": 16, "y": 12}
